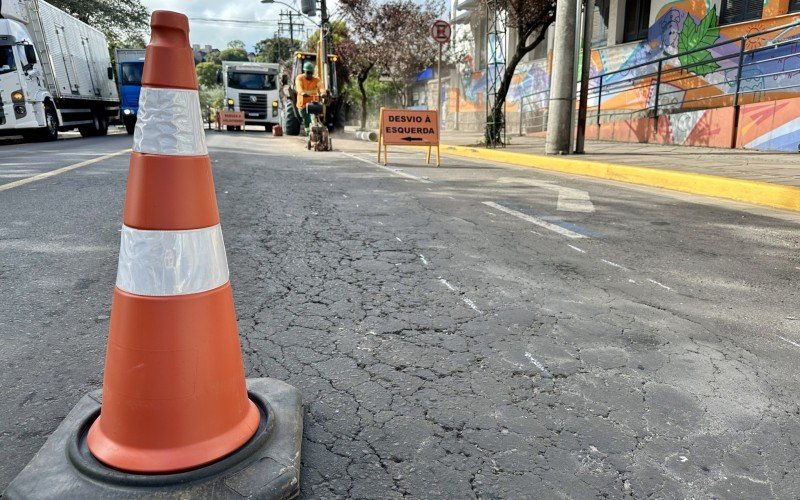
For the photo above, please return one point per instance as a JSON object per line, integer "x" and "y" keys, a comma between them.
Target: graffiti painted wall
{"x": 701, "y": 74}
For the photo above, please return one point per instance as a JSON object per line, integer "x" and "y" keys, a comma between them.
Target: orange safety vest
{"x": 312, "y": 86}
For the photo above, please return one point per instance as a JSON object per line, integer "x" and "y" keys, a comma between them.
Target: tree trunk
{"x": 495, "y": 122}
{"x": 496, "y": 119}
{"x": 362, "y": 78}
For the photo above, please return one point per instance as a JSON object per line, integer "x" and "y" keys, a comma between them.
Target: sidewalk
{"x": 762, "y": 178}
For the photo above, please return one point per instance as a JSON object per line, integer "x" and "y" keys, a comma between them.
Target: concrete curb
{"x": 754, "y": 192}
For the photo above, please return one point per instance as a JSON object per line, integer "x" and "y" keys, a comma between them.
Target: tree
{"x": 236, "y": 44}
{"x": 233, "y": 54}
{"x": 207, "y": 73}
{"x": 409, "y": 23}
{"x": 118, "y": 20}
{"x": 530, "y": 19}
{"x": 276, "y": 49}
{"x": 388, "y": 37}
{"x": 213, "y": 56}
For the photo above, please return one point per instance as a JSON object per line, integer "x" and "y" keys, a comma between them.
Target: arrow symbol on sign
{"x": 409, "y": 139}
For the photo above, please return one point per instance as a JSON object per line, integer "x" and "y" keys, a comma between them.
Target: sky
{"x": 217, "y": 33}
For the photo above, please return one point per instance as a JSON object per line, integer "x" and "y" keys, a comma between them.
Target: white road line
{"x": 53, "y": 173}
{"x": 537, "y": 364}
{"x": 534, "y": 220}
{"x": 395, "y": 171}
{"x": 448, "y": 285}
{"x": 659, "y": 284}
{"x": 398, "y": 239}
{"x": 576, "y": 249}
{"x": 471, "y": 305}
{"x": 789, "y": 341}
{"x": 464, "y": 299}
{"x": 614, "y": 264}
{"x": 569, "y": 199}
{"x": 423, "y": 259}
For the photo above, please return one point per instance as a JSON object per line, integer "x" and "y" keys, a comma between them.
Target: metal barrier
{"x": 686, "y": 87}
{"x": 666, "y": 87}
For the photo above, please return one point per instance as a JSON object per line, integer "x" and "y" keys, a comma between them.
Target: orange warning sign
{"x": 406, "y": 127}
{"x": 230, "y": 118}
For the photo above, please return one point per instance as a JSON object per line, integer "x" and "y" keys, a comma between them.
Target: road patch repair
{"x": 176, "y": 417}
{"x": 743, "y": 190}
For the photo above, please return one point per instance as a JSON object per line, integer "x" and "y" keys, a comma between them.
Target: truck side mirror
{"x": 110, "y": 73}
{"x": 30, "y": 54}
{"x": 219, "y": 77}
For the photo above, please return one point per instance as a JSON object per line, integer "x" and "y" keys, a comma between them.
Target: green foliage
{"x": 376, "y": 90}
{"x": 119, "y": 21}
{"x": 233, "y": 54}
{"x": 339, "y": 33}
{"x": 211, "y": 96}
{"x": 696, "y": 36}
{"x": 276, "y": 49}
{"x": 207, "y": 73}
{"x": 236, "y": 44}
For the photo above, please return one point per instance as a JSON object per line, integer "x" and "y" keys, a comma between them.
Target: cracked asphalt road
{"x": 444, "y": 348}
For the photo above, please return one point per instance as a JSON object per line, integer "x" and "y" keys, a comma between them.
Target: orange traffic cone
{"x": 174, "y": 393}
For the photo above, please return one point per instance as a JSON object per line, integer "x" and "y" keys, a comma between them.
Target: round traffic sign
{"x": 440, "y": 31}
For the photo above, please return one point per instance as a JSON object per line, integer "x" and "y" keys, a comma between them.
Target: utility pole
{"x": 291, "y": 25}
{"x": 325, "y": 33}
{"x": 586, "y": 63}
{"x": 562, "y": 81}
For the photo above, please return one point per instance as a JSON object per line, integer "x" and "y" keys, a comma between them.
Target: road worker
{"x": 309, "y": 88}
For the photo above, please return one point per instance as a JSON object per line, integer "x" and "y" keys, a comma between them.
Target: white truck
{"x": 55, "y": 73}
{"x": 252, "y": 88}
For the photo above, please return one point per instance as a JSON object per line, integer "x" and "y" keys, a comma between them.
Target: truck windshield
{"x": 7, "y": 62}
{"x": 251, "y": 81}
{"x": 131, "y": 73}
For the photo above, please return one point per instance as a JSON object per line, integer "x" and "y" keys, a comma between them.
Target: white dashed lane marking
{"x": 395, "y": 171}
{"x": 535, "y": 220}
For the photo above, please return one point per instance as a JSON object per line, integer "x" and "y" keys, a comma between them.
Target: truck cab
{"x": 130, "y": 65}
{"x": 55, "y": 73}
{"x": 21, "y": 93}
{"x": 252, "y": 88}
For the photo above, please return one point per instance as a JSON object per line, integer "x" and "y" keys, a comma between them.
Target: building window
{"x": 794, "y": 6}
{"x": 637, "y": 20}
{"x": 600, "y": 24}
{"x": 737, "y": 11}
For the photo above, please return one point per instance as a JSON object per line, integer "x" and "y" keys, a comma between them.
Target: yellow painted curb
{"x": 755, "y": 192}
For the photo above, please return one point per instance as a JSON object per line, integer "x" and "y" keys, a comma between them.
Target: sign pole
{"x": 439, "y": 88}
{"x": 380, "y": 134}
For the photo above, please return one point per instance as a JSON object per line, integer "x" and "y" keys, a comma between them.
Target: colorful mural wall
{"x": 700, "y": 76}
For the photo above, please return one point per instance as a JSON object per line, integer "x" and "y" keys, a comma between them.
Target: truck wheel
{"x": 98, "y": 127}
{"x": 50, "y": 131}
{"x": 130, "y": 125}
{"x": 102, "y": 122}
{"x": 230, "y": 128}
{"x": 292, "y": 120}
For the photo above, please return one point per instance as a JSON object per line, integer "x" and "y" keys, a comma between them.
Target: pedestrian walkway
{"x": 764, "y": 166}
{"x": 763, "y": 178}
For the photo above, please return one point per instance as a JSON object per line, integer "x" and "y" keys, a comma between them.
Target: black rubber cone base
{"x": 267, "y": 466}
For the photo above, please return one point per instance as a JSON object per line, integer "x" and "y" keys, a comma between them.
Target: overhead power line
{"x": 244, "y": 23}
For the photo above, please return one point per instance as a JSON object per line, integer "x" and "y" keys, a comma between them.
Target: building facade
{"x": 722, "y": 73}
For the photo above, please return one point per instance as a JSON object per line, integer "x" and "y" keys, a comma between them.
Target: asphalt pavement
{"x": 470, "y": 331}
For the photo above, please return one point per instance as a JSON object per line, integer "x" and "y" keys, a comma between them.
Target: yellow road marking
{"x": 52, "y": 173}
{"x": 755, "y": 192}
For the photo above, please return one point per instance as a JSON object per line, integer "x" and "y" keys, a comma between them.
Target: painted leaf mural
{"x": 696, "y": 36}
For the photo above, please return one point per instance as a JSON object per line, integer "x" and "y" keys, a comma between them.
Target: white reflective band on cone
{"x": 160, "y": 263}
{"x": 169, "y": 123}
